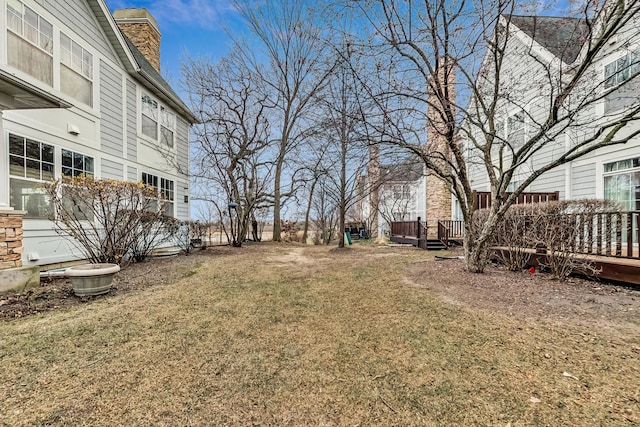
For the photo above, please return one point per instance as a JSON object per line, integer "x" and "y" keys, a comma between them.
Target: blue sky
{"x": 188, "y": 27}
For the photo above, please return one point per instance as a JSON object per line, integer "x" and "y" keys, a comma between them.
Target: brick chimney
{"x": 438, "y": 191}
{"x": 142, "y": 29}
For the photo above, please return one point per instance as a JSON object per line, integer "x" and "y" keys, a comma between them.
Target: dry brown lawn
{"x": 289, "y": 335}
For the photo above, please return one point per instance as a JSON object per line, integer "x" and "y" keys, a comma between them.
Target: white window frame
{"x": 81, "y": 171}
{"x": 164, "y": 119}
{"x": 82, "y": 65}
{"x": 163, "y": 187}
{"x": 44, "y": 42}
{"x": 621, "y": 69}
{"x": 41, "y": 179}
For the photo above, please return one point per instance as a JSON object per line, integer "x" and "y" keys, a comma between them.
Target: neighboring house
{"x": 78, "y": 97}
{"x": 607, "y": 173}
{"x": 399, "y": 195}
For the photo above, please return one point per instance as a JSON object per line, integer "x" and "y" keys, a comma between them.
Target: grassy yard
{"x": 290, "y": 335}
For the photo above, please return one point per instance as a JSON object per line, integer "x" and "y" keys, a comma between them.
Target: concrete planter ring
{"x": 92, "y": 279}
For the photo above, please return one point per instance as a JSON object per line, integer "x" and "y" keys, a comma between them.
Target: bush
{"x": 108, "y": 220}
{"x": 556, "y": 228}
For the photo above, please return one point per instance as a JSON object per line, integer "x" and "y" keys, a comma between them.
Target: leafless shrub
{"x": 561, "y": 230}
{"x": 105, "y": 219}
{"x": 514, "y": 235}
{"x": 152, "y": 230}
{"x": 560, "y": 227}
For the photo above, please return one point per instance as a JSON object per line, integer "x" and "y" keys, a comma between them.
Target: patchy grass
{"x": 292, "y": 335}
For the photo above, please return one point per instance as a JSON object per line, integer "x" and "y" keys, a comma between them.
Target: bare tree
{"x": 232, "y": 138}
{"x": 343, "y": 119}
{"x": 467, "y": 65}
{"x": 289, "y": 63}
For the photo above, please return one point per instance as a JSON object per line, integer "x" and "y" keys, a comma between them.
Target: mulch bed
{"x": 56, "y": 293}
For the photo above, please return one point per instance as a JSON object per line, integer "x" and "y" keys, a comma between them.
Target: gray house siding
{"x": 111, "y": 129}
{"x": 183, "y": 145}
{"x": 132, "y": 122}
{"x": 182, "y": 208}
{"x": 76, "y": 15}
{"x": 554, "y": 180}
{"x": 132, "y": 174}
{"x": 583, "y": 181}
{"x": 111, "y": 170}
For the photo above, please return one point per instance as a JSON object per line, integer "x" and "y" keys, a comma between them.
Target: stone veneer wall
{"x": 10, "y": 239}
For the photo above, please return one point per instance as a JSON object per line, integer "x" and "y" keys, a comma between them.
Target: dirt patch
{"x": 533, "y": 296}
{"x": 56, "y": 293}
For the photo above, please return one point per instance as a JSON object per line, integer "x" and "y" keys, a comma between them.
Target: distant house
{"x": 607, "y": 173}
{"x": 81, "y": 93}
{"x": 398, "y": 193}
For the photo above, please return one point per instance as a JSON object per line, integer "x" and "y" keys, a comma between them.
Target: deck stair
{"x": 435, "y": 245}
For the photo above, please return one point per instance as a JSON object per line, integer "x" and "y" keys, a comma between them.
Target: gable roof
{"x": 135, "y": 63}
{"x": 412, "y": 169}
{"x": 562, "y": 37}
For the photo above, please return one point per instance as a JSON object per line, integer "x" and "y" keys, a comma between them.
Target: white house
{"x": 537, "y": 44}
{"x": 392, "y": 192}
{"x": 81, "y": 92}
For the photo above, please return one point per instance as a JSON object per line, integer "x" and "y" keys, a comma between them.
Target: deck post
{"x": 418, "y": 229}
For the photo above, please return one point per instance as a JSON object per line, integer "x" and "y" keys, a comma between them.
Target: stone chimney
{"x": 142, "y": 29}
{"x": 438, "y": 191}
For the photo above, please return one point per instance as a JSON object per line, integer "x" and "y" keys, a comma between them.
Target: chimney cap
{"x": 135, "y": 15}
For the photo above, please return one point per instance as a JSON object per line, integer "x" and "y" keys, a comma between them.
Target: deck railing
{"x": 450, "y": 229}
{"x": 408, "y": 228}
{"x": 609, "y": 234}
{"x": 613, "y": 234}
{"x": 482, "y": 199}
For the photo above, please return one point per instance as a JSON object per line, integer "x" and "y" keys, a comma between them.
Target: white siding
{"x": 132, "y": 126}
{"x": 132, "y": 174}
{"x": 583, "y": 181}
{"x": 111, "y": 170}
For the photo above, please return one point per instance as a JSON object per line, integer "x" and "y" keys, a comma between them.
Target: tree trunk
{"x": 276, "y": 201}
{"x": 477, "y": 241}
{"x": 308, "y": 212}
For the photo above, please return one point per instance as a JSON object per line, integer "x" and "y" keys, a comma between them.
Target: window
{"x": 74, "y": 164}
{"x": 622, "y": 164}
{"x": 76, "y": 70}
{"x": 158, "y": 122}
{"x": 29, "y": 42}
{"x": 149, "y": 117}
{"x": 622, "y": 69}
{"x": 167, "y": 124}
{"x": 164, "y": 191}
{"x": 150, "y": 180}
{"x": 30, "y": 163}
{"x": 622, "y": 183}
